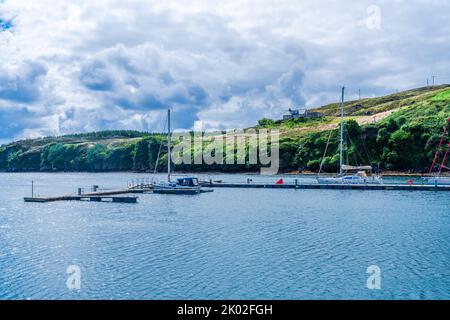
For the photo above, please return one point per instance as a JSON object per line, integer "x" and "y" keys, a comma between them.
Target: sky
{"x": 78, "y": 66}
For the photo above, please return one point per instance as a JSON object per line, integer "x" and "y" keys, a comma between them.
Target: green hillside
{"x": 426, "y": 101}
{"x": 372, "y": 106}
{"x": 395, "y": 132}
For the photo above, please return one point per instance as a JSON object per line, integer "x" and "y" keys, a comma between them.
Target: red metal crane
{"x": 436, "y": 156}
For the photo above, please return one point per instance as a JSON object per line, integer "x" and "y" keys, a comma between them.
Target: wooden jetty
{"x": 316, "y": 186}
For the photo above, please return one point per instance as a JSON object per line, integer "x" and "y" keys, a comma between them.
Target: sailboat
{"x": 349, "y": 174}
{"x": 438, "y": 179}
{"x": 187, "y": 185}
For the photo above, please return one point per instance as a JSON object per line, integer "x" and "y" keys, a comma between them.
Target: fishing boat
{"x": 187, "y": 185}
{"x": 348, "y": 174}
{"x": 438, "y": 179}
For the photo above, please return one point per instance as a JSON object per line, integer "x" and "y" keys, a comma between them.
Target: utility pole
{"x": 359, "y": 93}
{"x": 433, "y": 79}
{"x": 428, "y": 84}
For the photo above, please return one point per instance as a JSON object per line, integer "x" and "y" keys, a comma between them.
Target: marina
{"x": 357, "y": 178}
{"x": 113, "y": 195}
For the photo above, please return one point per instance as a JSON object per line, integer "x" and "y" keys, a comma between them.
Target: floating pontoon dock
{"x": 111, "y": 195}
{"x": 84, "y": 198}
{"x": 316, "y": 186}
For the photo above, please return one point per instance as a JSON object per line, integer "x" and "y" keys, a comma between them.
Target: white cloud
{"x": 70, "y": 66}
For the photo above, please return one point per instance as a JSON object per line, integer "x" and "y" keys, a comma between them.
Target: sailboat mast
{"x": 341, "y": 145}
{"x": 169, "y": 136}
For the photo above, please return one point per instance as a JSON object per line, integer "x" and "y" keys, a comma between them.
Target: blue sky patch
{"x": 5, "y": 25}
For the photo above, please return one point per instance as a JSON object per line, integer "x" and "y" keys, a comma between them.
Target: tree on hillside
{"x": 141, "y": 155}
{"x": 265, "y": 122}
{"x": 96, "y": 156}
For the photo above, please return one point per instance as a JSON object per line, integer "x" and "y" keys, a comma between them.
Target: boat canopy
{"x": 188, "y": 182}
{"x": 352, "y": 168}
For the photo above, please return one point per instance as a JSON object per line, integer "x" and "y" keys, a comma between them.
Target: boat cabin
{"x": 362, "y": 171}
{"x": 188, "y": 182}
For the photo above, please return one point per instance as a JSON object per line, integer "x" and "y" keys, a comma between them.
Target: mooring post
{"x": 32, "y": 189}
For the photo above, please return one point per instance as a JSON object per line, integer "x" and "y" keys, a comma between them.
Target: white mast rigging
{"x": 341, "y": 155}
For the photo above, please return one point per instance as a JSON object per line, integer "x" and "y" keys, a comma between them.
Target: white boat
{"x": 362, "y": 175}
{"x": 439, "y": 181}
{"x": 349, "y": 174}
{"x": 188, "y": 186}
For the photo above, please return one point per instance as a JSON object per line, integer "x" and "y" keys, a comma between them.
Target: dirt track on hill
{"x": 362, "y": 120}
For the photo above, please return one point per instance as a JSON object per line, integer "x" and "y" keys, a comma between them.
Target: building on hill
{"x": 296, "y": 114}
{"x": 293, "y": 114}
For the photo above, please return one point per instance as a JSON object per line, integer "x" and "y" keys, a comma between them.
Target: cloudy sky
{"x": 75, "y": 66}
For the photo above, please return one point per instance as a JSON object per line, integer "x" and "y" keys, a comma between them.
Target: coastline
{"x": 252, "y": 173}
{"x": 383, "y": 173}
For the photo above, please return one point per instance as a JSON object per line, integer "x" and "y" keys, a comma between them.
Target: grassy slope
{"x": 381, "y": 104}
{"x": 422, "y": 102}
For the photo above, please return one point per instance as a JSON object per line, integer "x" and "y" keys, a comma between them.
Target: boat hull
{"x": 439, "y": 181}
{"x": 176, "y": 190}
{"x": 349, "y": 180}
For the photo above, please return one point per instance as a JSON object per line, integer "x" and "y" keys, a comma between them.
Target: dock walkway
{"x": 83, "y": 198}
{"x": 113, "y": 195}
{"x": 316, "y": 186}
{"x": 101, "y": 196}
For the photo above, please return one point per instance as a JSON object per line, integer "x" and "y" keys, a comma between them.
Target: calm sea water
{"x": 230, "y": 244}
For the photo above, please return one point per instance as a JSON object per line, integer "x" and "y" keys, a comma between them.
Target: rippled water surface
{"x": 230, "y": 244}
